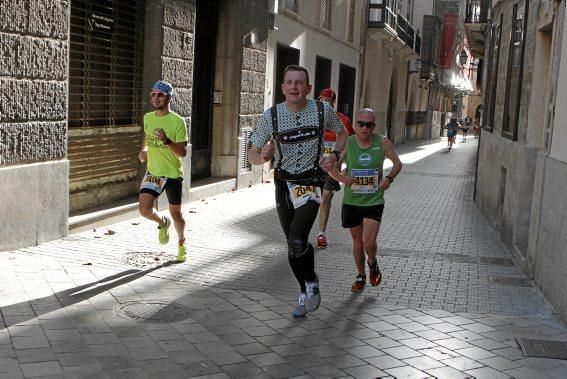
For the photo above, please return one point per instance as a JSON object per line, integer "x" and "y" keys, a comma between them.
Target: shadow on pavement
{"x": 27, "y": 310}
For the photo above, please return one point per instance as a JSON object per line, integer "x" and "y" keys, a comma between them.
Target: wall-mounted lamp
{"x": 417, "y": 66}
{"x": 463, "y": 58}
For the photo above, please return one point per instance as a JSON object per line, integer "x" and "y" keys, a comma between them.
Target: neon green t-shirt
{"x": 161, "y": 160}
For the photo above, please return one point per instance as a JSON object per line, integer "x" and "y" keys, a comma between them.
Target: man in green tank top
{"x": 363, "y": 201}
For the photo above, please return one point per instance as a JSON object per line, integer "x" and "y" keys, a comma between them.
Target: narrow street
{"x": 106, "y": 303}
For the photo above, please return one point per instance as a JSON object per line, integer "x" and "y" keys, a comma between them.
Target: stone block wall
{"x": 34, "y": 53}
{"x": 177, "y": 54}
{"x": 254, "y": 37}
{"x": 252, "y": 83}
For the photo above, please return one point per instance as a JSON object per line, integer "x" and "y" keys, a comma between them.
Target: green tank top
{"x": 366, "y": 166}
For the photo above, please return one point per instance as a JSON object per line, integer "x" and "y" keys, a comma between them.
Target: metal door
{"x": 285, "y": 56}
{"x": 347, "y": 81}
{"x": 105, "y": 87}
{"x": 203, "y": 85}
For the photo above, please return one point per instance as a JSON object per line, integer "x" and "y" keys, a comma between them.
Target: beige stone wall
{"x": 547, "y": 256}
{"x": 34, "y": 53}
{"x": 521, "y": 185}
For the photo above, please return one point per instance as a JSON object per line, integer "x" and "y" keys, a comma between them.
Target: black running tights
{"x": 297, "y": 224}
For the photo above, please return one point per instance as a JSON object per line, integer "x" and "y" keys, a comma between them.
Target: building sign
{"x": 102, "y": 23}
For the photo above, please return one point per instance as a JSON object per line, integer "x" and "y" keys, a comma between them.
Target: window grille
{"x": 350, "y": 22}
{"x": 326, "y": 7}
{"x": 292, "y": 5}
{"x": 492, "y": 78}
{"x": 244, "y": 146}
{"x": 514, "y": 73}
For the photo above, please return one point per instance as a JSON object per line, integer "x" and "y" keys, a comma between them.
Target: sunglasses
{"x": 157, "y": 94}
{"x": 365, "y": 124}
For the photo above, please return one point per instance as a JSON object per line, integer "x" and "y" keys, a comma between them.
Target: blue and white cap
{"x": 164, "y": 87}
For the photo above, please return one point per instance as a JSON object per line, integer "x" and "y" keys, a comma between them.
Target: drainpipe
{"x": 362, "y": 57}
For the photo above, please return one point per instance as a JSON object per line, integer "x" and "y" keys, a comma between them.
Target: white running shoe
{"x": 300, "y": 310}
{"x": 313, "y": 295}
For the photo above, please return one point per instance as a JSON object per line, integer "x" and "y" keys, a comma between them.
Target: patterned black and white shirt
{"x": 298, "y": 155}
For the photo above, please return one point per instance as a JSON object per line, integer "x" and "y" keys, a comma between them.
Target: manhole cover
{"x": 543, "y": 348}
{"x": 145, "y": 259}
{"x": 154, "y": 312}
{"x": 511, "y": 281}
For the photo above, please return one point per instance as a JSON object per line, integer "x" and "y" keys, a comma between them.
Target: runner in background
{"x": 331, "y": 185}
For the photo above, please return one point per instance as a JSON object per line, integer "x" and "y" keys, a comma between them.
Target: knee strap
{"x": 297, "y": 248}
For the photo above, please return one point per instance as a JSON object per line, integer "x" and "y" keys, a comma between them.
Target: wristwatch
{"x": 167, "y": 141}
{"x": 390, "y": 179}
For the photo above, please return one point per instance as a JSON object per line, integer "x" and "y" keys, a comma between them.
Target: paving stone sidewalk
{"x": 109, "y": 303}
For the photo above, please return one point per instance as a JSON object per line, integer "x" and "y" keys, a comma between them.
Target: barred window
{"x": 326, "y": 7}
{"x": 515, "y": 72}
{"x": 492, "y": 78}
{"x": 292, "y": 5}
{"x": 350, "y": 21}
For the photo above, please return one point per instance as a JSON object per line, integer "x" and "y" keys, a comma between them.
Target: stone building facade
{"x": 522, "y": 164}
{"x": 75, "y": 77}
{"x": 34, "y": 48}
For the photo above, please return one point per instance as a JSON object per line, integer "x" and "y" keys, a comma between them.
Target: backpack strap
{"x": 321, "y": 117}
{"x": 275, "y": 133}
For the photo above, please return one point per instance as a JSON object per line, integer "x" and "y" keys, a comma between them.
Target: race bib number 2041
{"x": 300, "y": 195}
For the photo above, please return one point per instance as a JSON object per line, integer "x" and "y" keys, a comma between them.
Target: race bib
{"x": 366, "y": 181}
{"x": 300, "y": 195}
{"x": 153, "y": 183}
{"x": 328, "y": 147}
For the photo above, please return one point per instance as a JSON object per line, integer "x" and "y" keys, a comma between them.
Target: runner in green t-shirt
{"x": 165, "y": 144}
{"x": 363, "y": 201}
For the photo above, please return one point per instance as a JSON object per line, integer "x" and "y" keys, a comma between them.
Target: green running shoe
{"x": 163, "y": 230}
{"x": 181, "y": 253}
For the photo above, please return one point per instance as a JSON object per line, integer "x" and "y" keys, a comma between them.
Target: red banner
{"x": 447, "y": 49}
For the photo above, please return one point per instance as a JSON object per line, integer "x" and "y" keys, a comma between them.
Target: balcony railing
{"x": 477, "y": 11}
{"x": 404, "y": 30}
{"x": 382, "y": 15}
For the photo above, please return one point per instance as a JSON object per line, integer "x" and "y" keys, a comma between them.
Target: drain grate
{"x": 436, "y": 174}
{"x": 493, "y": 261}
{"x": 457, "y": 258}
{"x": 510, "y": 281}
{"x": 153, "y": 312}
{"x": 543, "y": 348}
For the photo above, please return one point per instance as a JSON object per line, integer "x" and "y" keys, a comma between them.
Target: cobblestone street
{"x": 108, "y": 303}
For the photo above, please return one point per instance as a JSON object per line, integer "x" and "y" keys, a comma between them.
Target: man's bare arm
{"x": 391, "y": 154}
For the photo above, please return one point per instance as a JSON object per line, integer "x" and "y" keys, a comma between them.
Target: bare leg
{"x": 358, "y": 248}
{"x": 178, "y": 221}
{"x": 146, "y": 208}
{"x": 369, "y": 235}
{"x": 325, "y": 209}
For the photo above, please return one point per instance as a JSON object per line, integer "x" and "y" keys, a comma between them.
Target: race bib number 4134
{"x": 366, "y": 181}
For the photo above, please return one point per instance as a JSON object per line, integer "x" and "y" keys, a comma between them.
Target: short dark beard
{"x": 159, "y": 107}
